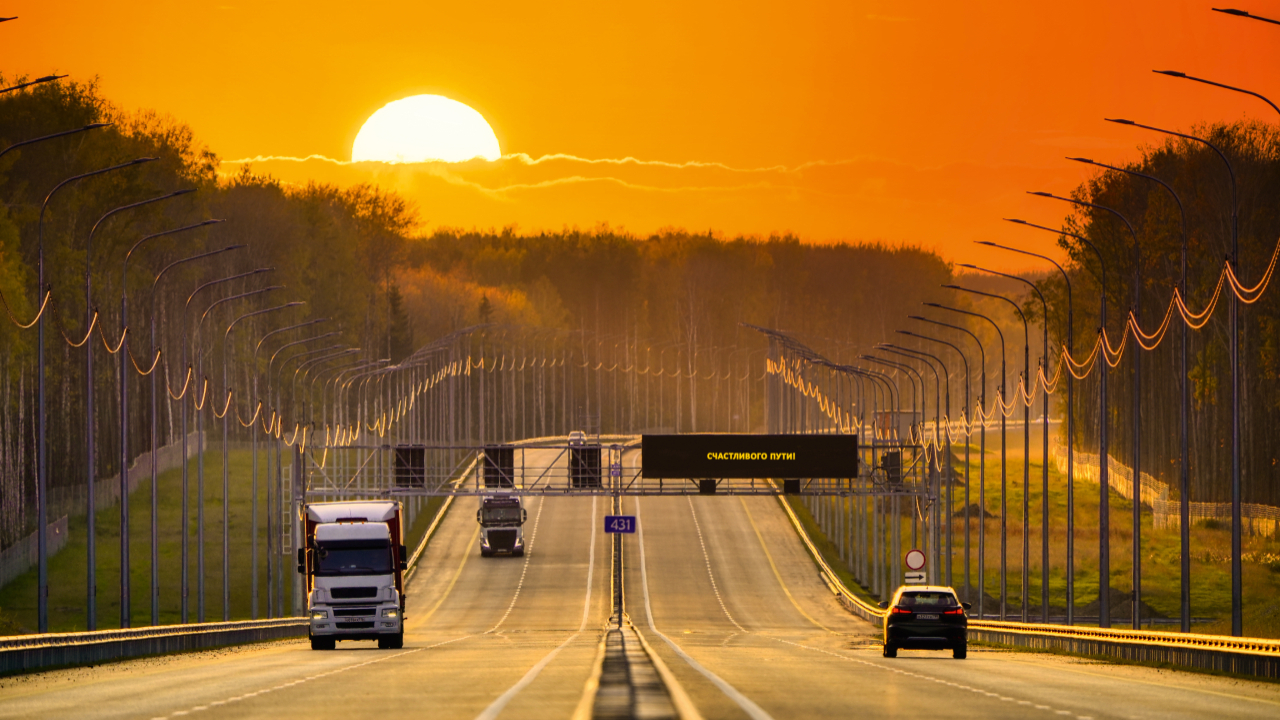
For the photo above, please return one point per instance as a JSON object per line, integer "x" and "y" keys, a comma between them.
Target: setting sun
{"x": 423, "y": 128}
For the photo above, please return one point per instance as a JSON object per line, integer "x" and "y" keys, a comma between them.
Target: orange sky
{"x": 913, "y": 123}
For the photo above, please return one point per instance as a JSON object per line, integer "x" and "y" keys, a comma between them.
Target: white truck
{"x": 353, "y": 564}
{"x": 501, "y": 518}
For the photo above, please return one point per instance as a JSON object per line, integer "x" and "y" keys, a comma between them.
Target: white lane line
{"x": 494, "y": 709}
{"x": 528, "y": 552}
{"x": 246, "y": 696}
{"x": 697, "y": 526}
{"x": 939, "y": 681}
{"x": 749, "y": 707}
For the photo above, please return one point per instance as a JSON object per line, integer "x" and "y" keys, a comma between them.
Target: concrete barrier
{"x": 22, "y": 555}
{"x": 24, "y": 653}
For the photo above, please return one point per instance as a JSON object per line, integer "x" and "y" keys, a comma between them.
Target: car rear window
{"x": 927, "y": 599}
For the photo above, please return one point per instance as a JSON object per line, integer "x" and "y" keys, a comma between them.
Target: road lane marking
{"x": 528, "y": 552}
{"x": 497, "y": 706}
{"x": 940, "y": 681}
{"x": 697, "y": 526}
{"x": 457, "y": 574}
{"x": 749, "y": 707}
{"x": 246, "y": 696}
{"x": 774, "y": 567}
{"x": 1144, "y": 682}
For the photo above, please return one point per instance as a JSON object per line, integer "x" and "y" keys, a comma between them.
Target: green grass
{"x": 67, "y": 569}
{"x": 1210, "y": 550}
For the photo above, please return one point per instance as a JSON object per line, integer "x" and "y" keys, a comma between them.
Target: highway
{"x": 721, "y": 588}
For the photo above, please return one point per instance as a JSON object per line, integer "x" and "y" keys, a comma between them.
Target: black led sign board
{"x": 727, "y": 456}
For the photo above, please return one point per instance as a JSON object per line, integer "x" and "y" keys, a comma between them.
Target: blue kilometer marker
{"x": 619, "y": 523}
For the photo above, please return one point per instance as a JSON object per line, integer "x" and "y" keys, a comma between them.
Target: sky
{"x": 920, "y": 124}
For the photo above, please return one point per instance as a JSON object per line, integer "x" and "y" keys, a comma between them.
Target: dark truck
{"x": 501, "y": 518}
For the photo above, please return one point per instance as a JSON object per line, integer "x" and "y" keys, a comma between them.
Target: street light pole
{"x": 126, "y": 354}
{"x": 1026, "y": 452}
{"x": 254, "y": 531}
{"x": 1104, "y": 480}
{"x": 155, "y": 536}
{"x": 1136, "y": 470}
{"x": 199, "y": 353}
{"x": 1245, "y": 14}
{"x": 1237, "y": 588}
{"x": 950, "y": 500}
{"x": 192, "y": 379}
{"x": 946, "y": 449}
{"x": 1070, "y": 413}
{"x": 91, "y": 584}
{"x": 1044, "y": 492}
{"x": 226, "y": 481}
{"x": 982, "y": 464}
{"x": 42, "y": 455}
{"x": 1004, "y": 462}
{"x": 1184, "y": 392}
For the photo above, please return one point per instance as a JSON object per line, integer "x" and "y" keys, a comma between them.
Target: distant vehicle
{"x": 353, "y": 563}
{"x": 926, "y": 617}
{"x": 577, "y": 438}
{"x": 501, "y": 518}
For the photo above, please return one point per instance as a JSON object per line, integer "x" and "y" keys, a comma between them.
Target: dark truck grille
{"x": 350, "y": 593}
{"x": 354, "y": 625}
{"x": 353, "y": 612}
{"x": 502, "y": 539}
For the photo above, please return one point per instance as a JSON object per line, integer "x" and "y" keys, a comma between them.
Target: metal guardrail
{"x": 1258, "y": 657}
{"x": 23, "y": 653}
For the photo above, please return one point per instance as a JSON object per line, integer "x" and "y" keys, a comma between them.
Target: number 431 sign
{"x": 619, "y": 523}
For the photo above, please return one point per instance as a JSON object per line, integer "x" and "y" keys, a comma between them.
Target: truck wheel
{"x": 960, "y": 651}
{"x": 486, "y": 553}
{"x": 319, "y": 643}
{"x": 391, "y": 642}
{"x": 518, "y": 553}
{"x": 890, "y": 651}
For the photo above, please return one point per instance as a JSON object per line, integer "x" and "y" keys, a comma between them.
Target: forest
{"x": 359, "y": 260}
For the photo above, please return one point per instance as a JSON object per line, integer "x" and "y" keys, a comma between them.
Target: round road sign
{"x": 915, "y": 559}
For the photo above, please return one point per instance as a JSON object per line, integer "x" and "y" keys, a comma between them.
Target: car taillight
{"x": 957, "y": 611}
{"x": 898, "y": 611}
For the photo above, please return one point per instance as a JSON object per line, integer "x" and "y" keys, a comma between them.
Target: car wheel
{"x": 960, "y": 651}
{"x": 890, "y": 651}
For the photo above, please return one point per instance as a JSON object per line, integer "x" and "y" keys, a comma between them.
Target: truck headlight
{"x": 390, "y": 613}
{"x": 319, "y": 614}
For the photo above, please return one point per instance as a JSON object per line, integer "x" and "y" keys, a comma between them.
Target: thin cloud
{"x": 530, "y": 161}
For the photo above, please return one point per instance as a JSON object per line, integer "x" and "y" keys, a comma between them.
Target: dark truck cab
{"x": 501, "y": 519}
{"x": 926, "y": 617}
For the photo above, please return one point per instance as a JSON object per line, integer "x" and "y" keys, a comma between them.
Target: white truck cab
{"x": 353, "y": 563}
{"x": 501, "y": 518}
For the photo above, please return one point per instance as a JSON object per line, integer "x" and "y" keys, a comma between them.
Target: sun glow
{"x": 423, "y": 128}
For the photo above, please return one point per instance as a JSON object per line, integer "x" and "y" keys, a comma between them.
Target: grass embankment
{"x": 67, "y": 569}
{"x": 1161, "y": 579}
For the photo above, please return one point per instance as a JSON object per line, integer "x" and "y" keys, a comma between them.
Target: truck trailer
{"x": 353, "y": 562}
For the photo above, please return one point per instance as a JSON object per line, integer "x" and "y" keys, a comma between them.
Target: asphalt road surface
{"x": 721, "y": 588}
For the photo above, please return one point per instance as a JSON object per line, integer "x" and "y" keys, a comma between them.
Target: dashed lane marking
{"x": 698, "y": 526}
{"x": 939, "y": 681}
{"x": 754, "y": 711}
{"x": 264, "y": 691}
{"x": 528, "y": 552}
{"x": 497, "y": 706}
